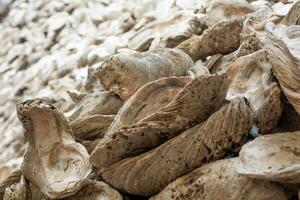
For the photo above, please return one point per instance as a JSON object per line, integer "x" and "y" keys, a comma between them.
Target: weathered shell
{"x": 272, "y": 157}
{"x": 124, "y": 74}
{"x": 219, "y": 181}
{"x": 193, "y": 104}
{"x": 293, "y": 16}
{"x": 225, "y": 130}
{"x": 286, "y": 69}
{"x": 226, "y": 10}
{"x": 13, "y": 178}
{"x": 147, "y": 100}
{"x": 96, "y": 190}
{"x": 223, "y": 37}
{"x": 18, "y": 191}
{"x": 170, "y": 32}
{"x": 54, "y": 162}
{"x": 198, "y": 70}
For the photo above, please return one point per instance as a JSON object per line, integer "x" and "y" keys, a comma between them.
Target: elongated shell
{"x": 219, "y": 181}
{"x": 273, "y": 157}
{"x": 54, "y": 162}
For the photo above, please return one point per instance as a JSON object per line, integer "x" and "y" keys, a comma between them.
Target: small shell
{"x": 219, "y": 181}
{"x": 54, "y": 162}
{"x": 13, "y": 178}
{"x": 18, "y": 191}
{"x": 273, "y": 157}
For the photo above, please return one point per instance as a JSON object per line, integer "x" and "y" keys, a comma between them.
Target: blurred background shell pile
{"x": 150, "y": 99}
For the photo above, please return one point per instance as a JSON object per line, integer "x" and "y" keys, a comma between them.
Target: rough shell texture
{"x": 227, "y": 10}
{"x": 225, "y": 130}
{"x": 124, "y": 74}
{"x": 95, "y": 190}
{"x": 219, "y": 181}
{"x": 169, "y": 32}
{"x": 286, "y": 69}
{"x": 193, "y": 104}
{"x": 223, "y": 37}
{"x": 198, "y": 70}
{"x": 54, "y": 162}
{"x": 293, "y": 16}
{"x": 18, "y": 191}
{"x": 147, "y": 100}
{"x": 13, "y": 178}
{"x": 272, "y": 157}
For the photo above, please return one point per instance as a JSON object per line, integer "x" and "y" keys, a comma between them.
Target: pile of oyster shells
{"x": 150, "y": 99}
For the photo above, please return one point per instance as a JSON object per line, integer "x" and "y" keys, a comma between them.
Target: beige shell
{"x": 125, "y": 73}
{"x": 96, "y": 190}
{"x": 224, "y": 131}
{"x": 198, "y": 70}
{"x": 170, "y": 32}
{"x": 272, "y": 157}
{"x": 223, "y": 37}
{"x": 18, "y": 191}
{"x": 13, "y": 178}
{"x": 54, "y": 162}
{"x": 226, "y": 10}
{"x": 193, "y": 104}
{"x": 219, "y": 181}
{"x": 293, "y": 16}
{"x": 147, "y": 100}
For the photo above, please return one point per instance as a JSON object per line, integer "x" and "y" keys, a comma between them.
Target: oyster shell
{"x": 149, "y": 99}
{"x": 219, "y": 181}
{"x": 193, "y": 104}
{"x": 54, "y": 162}
{"x": 293, "y": 16}
{"x": 272, "y": 157}
{"x": 18, "y": 191}
{"x": 124, "y": 74}
{"x": 96, "y": 190}
{"x": 226, "y": 10}
{"x": 198, "y": 70}
{"x": 223, "y": 37}
{"x": 13, "y": 178}
{"x": 147, "y": 174}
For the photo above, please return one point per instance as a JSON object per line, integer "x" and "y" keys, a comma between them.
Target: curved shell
{"x": 226, "y": 10}
{"x": 147, "y": 100}
{"x": 96, "y": 190}
{"x": 273, "y": 157}
{"x": 13, "y": 178}
{"x": 54, "y": 162}
{"x": 219, "y": 181}
{"x": 193, "y": 104}
{"x": 293, "y": 16}
{"x": 225, "y": 130}
{"x": 18, "y": 191}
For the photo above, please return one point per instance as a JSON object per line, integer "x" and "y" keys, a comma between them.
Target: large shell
{"x": 226, "y": 10}
{"x": 225, "y": 130}
{"x": 170, "y": 32}
{"x": 124, "y": 73}
{"x": 223, "y": 37}
{"x": 54, "y": 162}
{"x": 148, "y": 100}
{"x": 219, "y": 181}
{"x": 193, "y": 104}
{"x": 18, "y": 191}
{"x": 96, "y": 190}
{"x": 273, "y": 157}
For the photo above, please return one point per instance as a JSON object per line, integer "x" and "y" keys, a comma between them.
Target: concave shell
{"x": 293, "y": 16}
{"x": 147, "y": 100}
{"x": 96, "y": 190}
{"x": 54, "y": 162}
{"x": 170, "y": 32}
{"x": 219, "y": 181}
{"x": 18, "y": 191}
{"x": 225, "y": 130}
{"x": 223, "y": 37}
{"x": 286, "y": 69}
{"x": 193, "y": 104}
{"x": 273, "y": 157}
{"x": 124, "y": 73}
{"x": 226, "y": 10}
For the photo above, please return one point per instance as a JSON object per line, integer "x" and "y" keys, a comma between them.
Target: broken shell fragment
{"x": 96, "y": 190}
{"x": 124, "y": 74}
{"x": 149, "y": 99}
{"x": 198, "y": 70}
{"x": 225, "y": 130}
{"x": 18, "y": 191}
{"x": 54, "y": 162}
{"x": 223, "y": 37}
{"x": 219, "y": 181}
{"x": 193, "y": 104}
{"x": 272, "y": 157}
{"x": 13, "y": 178}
